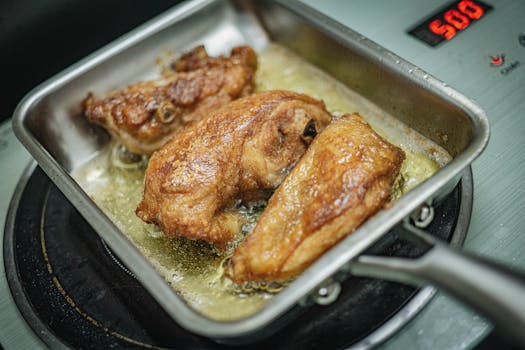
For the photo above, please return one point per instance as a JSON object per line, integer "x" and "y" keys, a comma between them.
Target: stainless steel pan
{"x": 60, "y": 143}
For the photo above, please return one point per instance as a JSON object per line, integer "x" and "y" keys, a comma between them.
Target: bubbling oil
{"x": 193, "y": 268}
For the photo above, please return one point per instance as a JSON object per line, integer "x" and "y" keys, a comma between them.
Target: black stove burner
{"x": 73, "y": 293}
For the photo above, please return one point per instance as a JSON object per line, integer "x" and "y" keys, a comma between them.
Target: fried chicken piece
{"x": 146, "y": 115}
{"x": 345, "y": 177}
{"x": 241, "y": 152}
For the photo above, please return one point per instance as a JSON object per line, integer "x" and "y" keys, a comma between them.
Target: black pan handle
{"x": 490, "y": 288}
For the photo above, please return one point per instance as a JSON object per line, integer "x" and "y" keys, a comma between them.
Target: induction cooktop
{"x": 478, "y": 47}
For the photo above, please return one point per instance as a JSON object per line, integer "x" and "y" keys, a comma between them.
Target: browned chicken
{"x": 344, "y": 178}
{"x": 239, "y": 153}
{"x": 145, "y": 115}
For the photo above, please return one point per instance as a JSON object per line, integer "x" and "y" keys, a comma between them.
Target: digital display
{"x": 448, "y": 22}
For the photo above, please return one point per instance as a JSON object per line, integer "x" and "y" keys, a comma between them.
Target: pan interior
{"x": 192, "y": 268}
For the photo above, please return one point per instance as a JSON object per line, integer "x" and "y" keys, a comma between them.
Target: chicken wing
{"x": 344, "y": 178}
{"x": 239, "y": 153}
{"x": 145, "y": 115}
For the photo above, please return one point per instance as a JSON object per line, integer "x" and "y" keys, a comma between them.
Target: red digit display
{"x": 446, "y": 30}
{"x": 471, "y": 9}
{"x": 457, "y": 19}
{"x": 449, "y": 21}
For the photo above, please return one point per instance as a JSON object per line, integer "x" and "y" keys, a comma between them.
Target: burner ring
{"x": 30, "y": 297}
{"x": 115, "y": 259}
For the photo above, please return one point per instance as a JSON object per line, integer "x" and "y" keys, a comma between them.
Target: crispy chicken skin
{"x": 344, "y": 178}
{"x": 145, "y": 115}
{"x": 239, "y": 153}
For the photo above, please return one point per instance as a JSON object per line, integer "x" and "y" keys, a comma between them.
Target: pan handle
{"x": 492, "y": 289}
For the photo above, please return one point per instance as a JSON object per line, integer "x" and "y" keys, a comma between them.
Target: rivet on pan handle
{"x": 328, "y": 292}
{"x": 423, "y": 216}
{"x": 325, "y": 294}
